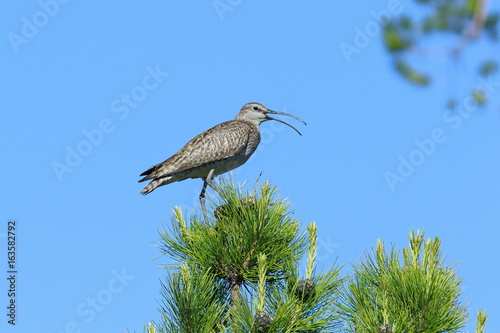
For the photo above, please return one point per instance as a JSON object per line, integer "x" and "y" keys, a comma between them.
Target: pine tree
{"x": 240, "y": 272}
{"x": 420, "y": 294}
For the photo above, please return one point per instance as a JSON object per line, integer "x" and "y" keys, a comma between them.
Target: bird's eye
{"x": 255, "y": 108}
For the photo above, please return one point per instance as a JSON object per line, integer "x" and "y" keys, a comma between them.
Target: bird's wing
{"x": 224, "y": 140}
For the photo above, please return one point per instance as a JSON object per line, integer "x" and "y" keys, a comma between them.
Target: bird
{"x": 219, "y": 149}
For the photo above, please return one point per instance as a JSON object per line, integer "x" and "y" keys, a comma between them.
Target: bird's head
{"x": 258, "y": 113}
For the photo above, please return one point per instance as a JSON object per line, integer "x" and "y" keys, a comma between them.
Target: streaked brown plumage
{"x": 221, "y": 149}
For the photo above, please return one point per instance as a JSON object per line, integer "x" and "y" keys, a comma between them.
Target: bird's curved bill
{"x": 284, "y": 122}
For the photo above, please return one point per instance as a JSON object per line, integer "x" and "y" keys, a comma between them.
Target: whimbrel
{"x": 218, "y": 150}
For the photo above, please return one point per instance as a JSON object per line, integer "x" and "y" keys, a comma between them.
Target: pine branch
{"x": 249, "y": 253}
{"x": 420, "y": 295}
{"x": 192, "y": 303}
{"x": 313, "y": 233}
{"x": 239, "y": 229}
{"x": 481, "y": 321}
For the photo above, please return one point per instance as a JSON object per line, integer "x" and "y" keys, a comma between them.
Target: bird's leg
{"x": 206, "y": 181}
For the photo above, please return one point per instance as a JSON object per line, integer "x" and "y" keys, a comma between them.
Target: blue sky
{"x": 94, "y": 93}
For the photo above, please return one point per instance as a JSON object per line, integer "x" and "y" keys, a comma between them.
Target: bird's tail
{"x": 148, "y": 189}
{"x": 157, "y": 183}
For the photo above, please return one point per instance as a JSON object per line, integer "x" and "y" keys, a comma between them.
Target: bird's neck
{"x": 249, "y": 120}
